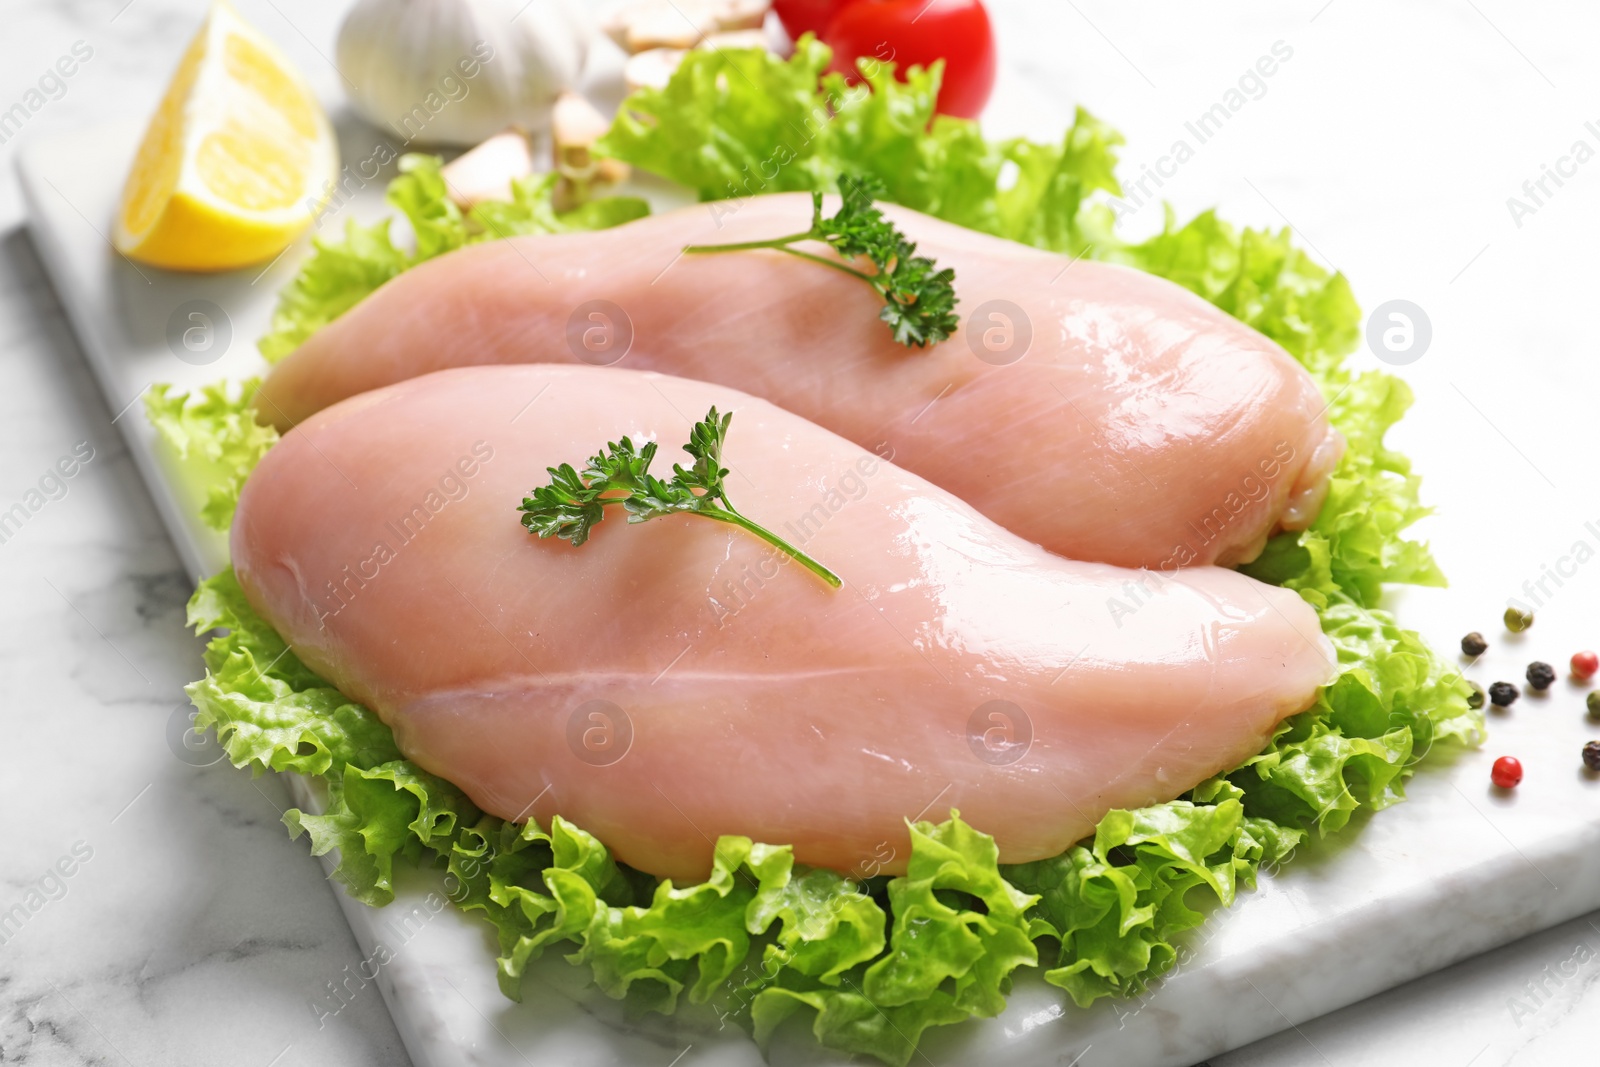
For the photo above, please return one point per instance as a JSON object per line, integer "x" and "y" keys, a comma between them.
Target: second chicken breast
{"x": 1102, "y": 412}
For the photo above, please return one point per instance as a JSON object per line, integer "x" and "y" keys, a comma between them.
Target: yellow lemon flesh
{"x": 235, "y": 161}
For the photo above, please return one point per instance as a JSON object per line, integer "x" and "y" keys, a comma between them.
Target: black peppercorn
{"x": 1473, "y": 644}
{"x": 1475, "y": 698}
{"x": 1541, "y": 675}
{"x": 1591, "y": 755}
{"x": 1503, "y": 694}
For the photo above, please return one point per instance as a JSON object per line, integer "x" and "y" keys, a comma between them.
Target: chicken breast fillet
{"x": 1103, "y": 412}
{"x": 675, "y": 680}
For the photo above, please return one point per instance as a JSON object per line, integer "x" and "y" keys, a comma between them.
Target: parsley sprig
{"x": 575, "y": 501}
{"x": 919, "y": 299}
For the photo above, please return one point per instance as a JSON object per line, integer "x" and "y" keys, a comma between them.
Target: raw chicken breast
{"x": 1113, "y": 416}
{"x": 675, "y": 680}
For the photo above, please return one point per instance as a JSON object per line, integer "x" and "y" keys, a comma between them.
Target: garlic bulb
{"x": 456, "y": 72}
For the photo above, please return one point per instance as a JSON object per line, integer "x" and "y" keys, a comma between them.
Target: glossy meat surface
{"x": 1102, "y": 412}
{"x": 959, "y": 666}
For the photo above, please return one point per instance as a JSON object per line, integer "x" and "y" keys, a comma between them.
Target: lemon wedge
{"x": 236, "y": 158}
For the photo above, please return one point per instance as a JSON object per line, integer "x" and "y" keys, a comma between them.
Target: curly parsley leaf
{"x": 919, "y": 297}
{"x": 574, "y": 502}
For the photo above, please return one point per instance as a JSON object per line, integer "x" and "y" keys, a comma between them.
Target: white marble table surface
{"x": 192, "y": 931}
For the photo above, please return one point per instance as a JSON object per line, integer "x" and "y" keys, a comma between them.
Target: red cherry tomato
{"x": 911, "y": 33}
{"x": 1584, "y": 665}
{"x": 807, "y": 16}
{"x": 1507, "y": 772}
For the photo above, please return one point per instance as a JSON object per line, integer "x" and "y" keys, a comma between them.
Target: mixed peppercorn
{"x": 1540, "y": 675}
{"x": 1507, "y": 770}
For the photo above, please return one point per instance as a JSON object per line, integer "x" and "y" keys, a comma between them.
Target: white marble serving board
{"x": 1455, "y": 870}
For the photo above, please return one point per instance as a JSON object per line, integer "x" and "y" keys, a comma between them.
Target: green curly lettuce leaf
{"x": 271, "y": 713}
{"x": 1115, "y": 921}
{"x": 340, "y": 273}
{"x": 216, "y": 438}
{"x": 1354, "y": 547}
{"x": 1112, "y": 906}
{"x": 761, "y": 938}
{"x": 734, "y": 123}
{"x": 957, "y": 934}
{"x": 1259, "y": 278}
{"x": 743, "y": 123}
{"x": 872, "y": 963}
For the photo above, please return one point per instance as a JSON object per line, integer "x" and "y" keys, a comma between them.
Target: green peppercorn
{"x": 1473, "y": 644}
{"x": 1594, "y": 705}
{"x": 1518, "y": 620}
{"x": 1503, "y": 694}
{"x": 1591, "y": 755}
{"x": 1475, "y": 698}
{"x": 1541, "y": 675}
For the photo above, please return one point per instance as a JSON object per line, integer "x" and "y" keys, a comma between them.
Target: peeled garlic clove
{"x": 736, "y": 39}
{"x": 615, "y": 26}
{"x": 670, "y": 26}
{"x": 486, "y": 172}
{"x": 652, "y": 69}
{"x": 611, "y": 171}
{"x": 575, "y": 125}
{"x": 742, "y": 14}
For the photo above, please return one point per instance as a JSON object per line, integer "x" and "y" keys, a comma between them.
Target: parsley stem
{"x": 919, "y": 298}
{"x": 748, "y": 246}
{"x": 781, "y": 244}
{"x": 835, "y": 264}
{"x": 728, "y": 515}
{"x": 573, "y": 502}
